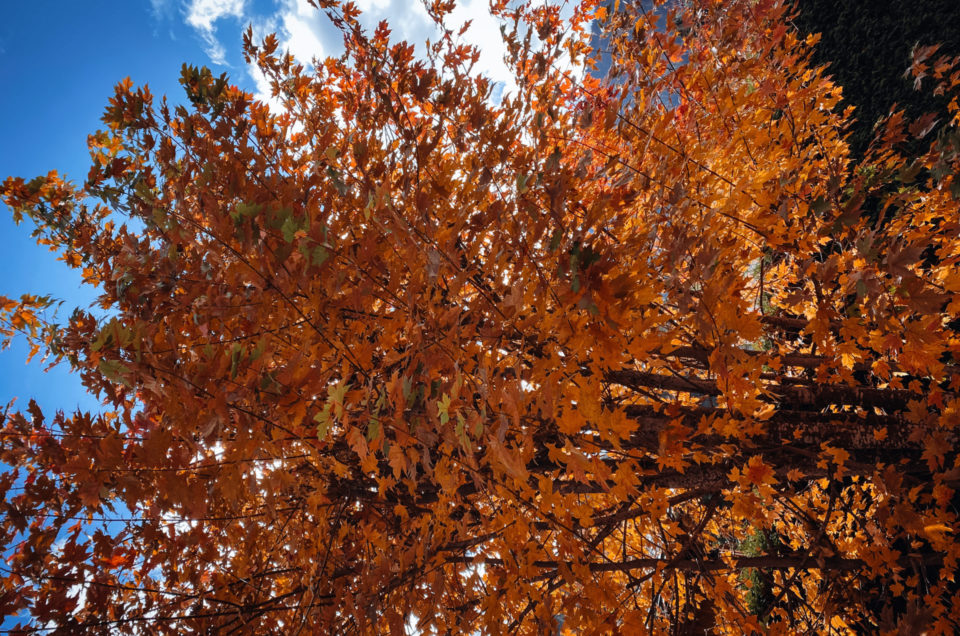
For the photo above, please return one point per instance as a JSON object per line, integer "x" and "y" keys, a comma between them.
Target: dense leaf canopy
{"x": 648, "y": 355}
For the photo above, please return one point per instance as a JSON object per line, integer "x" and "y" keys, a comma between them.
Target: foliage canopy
{"x": 623, "y": 357}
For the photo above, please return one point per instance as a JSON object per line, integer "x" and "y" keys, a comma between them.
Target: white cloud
{"x": 484, "y": 32}
{"x": 202, "y": 16}
{"x": 372, "y": 5}
{"x": 160, "y": 8}
{"x": 308, "y": 34}
{"x": 303, "y": 34}
{"x": 408, "y": 19}
{"x": 263, "y": 91}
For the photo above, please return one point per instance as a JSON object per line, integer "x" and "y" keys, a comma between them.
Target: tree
{"x": 601, "y": 358}
{"x": 867, "y": 46}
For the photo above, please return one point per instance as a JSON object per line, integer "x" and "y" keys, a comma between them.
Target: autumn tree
{"x": 601, "y": 357}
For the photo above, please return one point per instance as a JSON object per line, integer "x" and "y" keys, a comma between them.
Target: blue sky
{"x": 59, "y": 61}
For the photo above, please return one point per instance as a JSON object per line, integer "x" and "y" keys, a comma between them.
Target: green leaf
{"x": 378, "y": 405}
{"x": 588, "y": 257}
{"x": 555, "y": 239}
{"x": 319, "y": 255}
{"x": 371, "y": 202}
{"x": 522, "y": 183}
{"x": 289, "y": 228}
{"x": 235, "y": 355}
{"x": 940, "y": 170}
{"x": 861, "y": 289}
{"x": 268, "y": 382}
{"x": 820, "y": 205}
{"x": 245, "y": 211}
{"x": 336, "y": 396}
{"x": 258, "y": 350}
{"x": 373, "y": 429}
{"x": 102, "y": 339}
{"x": 323, "y": 421}
{"x": 337, "y": 181}
{"x": 114, "y": 370}
{"x": 443, "y": 408}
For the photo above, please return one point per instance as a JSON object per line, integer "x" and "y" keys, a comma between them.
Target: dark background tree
{"x": 868, "y": 44}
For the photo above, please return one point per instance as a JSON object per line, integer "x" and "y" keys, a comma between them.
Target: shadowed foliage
{"x": 868, "y": 46}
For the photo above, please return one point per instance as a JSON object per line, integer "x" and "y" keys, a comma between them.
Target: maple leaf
{"x": 758, "y": 474}
{"x": 936, "y": 447}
